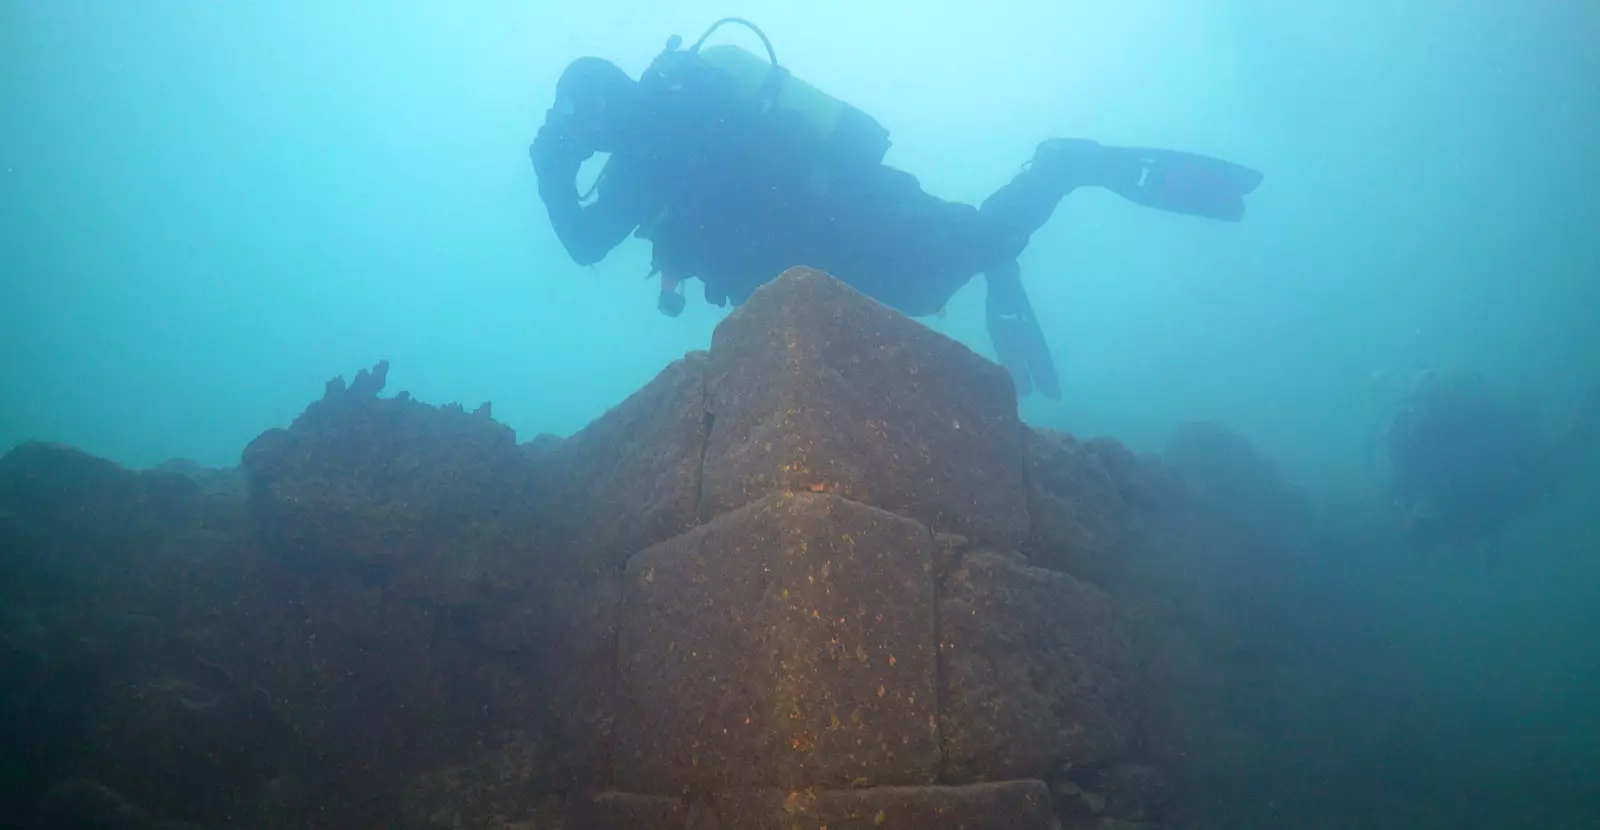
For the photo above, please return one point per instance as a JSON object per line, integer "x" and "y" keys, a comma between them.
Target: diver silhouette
{"x": 735, "y": 171}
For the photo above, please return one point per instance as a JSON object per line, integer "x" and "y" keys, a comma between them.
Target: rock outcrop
{"x": 819, "y": 576}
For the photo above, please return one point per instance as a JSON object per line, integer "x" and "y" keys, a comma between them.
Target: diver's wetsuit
{"x": 735, "y": 194}
{"x": 736, "y": 198}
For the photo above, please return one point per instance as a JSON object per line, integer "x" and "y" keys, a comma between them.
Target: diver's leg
{"x": 1025, "y": 203}
{"x": 1010, "y": 216}
{"x": 912, "y": 251}
{"x": 1167, "y": 180}
{"x": 1015, "y": 333}
{"x": 1162, "y": 179}
{"x": 901, "y": 245}
{"x": 1179, "y": 182}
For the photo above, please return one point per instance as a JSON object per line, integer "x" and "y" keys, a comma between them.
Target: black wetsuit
{"x": 734, "y": 197}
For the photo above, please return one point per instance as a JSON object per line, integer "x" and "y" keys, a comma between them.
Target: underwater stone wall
{"x": 782, "y": 653}
{"x": 819, "y": 576}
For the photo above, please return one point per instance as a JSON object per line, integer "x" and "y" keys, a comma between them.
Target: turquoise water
{"x": 208, "y": 209}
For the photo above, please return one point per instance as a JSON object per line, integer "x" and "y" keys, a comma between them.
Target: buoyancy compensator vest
{"x": 847, "y": 138}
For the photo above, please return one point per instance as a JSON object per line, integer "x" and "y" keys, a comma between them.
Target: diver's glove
{"x": 557, "y": 154}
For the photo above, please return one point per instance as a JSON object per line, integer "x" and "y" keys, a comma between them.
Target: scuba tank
{"x": 850, "y": 137}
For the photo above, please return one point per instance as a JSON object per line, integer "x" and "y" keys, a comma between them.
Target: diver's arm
{"x": 587, "y": 232}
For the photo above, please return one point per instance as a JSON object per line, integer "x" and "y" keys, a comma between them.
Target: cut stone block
{"x": 1034, "y": 671}
{"x": 632, "y": 477}
{"x": 1008, "y": 805}
{"x": 628, "y": 811}
{"x": 815, "y": 387}
{"x": 789, "y": 643}
{"x": 628, "y": 480}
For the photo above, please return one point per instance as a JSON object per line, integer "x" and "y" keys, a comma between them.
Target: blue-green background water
{"x": 208, "y": 209}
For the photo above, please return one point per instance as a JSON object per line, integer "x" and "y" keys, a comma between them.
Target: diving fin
{"x": 1015, "y": 334}
{"x": 1179, "y": 182}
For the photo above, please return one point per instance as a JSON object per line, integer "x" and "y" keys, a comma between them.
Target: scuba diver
{"x": 1468, "y": 463}
{"x": 735, "y": 171}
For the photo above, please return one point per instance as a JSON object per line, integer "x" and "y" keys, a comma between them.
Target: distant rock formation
{"x": 819, "y": 576}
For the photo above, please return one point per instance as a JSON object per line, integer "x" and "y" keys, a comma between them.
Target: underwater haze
{"x": 209, "y": 209}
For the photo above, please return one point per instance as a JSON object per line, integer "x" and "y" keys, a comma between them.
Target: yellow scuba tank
{"x": 822, "y": 112}
{"x": 850, "y": 136}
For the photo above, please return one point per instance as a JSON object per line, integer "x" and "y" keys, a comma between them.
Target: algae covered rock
{"x": 1035, "y": 672}
{"x": 820, "y": 575}
{"x": 789, "y": 644}
{"x": 813, "y": 386}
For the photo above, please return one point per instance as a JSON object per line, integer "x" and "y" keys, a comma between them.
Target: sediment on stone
{"x": 787, "y": 643}
{"x": 816, "y": 388}
{"x": 1006, "y": 805}
{"x": 775, "y": 588}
